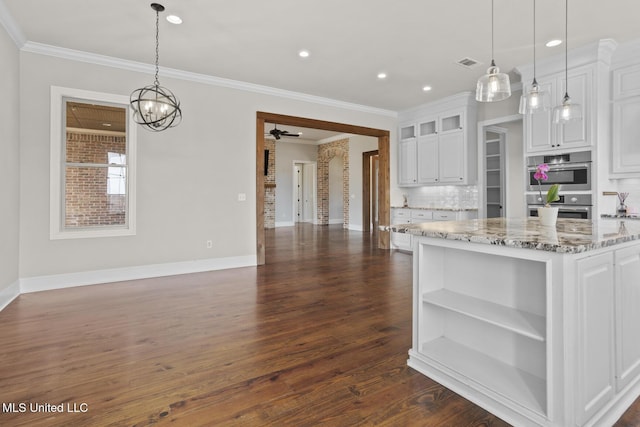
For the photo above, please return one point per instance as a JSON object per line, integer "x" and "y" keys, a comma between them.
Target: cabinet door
{"x": 451, "y": 155}
{"x": 407, "y": 162}
{"x": 540, "y": 133}
{"x": 595, "y": 359}
{"x": 626, "y": 136}
{"x": 577, "y": 133}
{"x": 428, "y": 159}
{"x": 627, "y": 291}
{"x": 451, "y": 121}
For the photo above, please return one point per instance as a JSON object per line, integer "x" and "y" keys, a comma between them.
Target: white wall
{"x": 9, "y": 165}
{"x": 358, "y": 144}
{"x": 188, "y": 177}
{"x": 286, "y": 154}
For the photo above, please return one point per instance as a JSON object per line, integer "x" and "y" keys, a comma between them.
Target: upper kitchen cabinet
{"x": 625, "y": 145}
{"x": 407, "y": 163}
{"x": 541, "y": 134}
{"x": 437, "y": 143}
{"x": 588, "y": 84}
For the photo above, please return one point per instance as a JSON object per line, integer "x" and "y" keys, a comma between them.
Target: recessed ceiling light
{"x": 303, "y": 54}
{"x": 426, "y": 88}
{"x": 553, "y": 43}
{"x": 382, "y": 76}
{"x": 174, "y": 19}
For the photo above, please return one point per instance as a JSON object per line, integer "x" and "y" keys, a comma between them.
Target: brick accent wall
{"x": 87, "y": 202}
{"x": 326, "y": 152}
{"x": 270, "y": 191}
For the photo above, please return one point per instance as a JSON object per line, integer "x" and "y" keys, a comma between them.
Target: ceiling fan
{"x": 277, "y": 133}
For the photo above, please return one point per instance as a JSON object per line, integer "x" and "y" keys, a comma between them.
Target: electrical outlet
{"x": 242, "y": 197}
{"x": 209, "y": 244}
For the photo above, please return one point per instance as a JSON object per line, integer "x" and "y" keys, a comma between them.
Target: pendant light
{"x": 567, "y": 111}
{"x": 154, "y": 107}
{"x": 493, "y": 86}
{"x": 535, "y": 100}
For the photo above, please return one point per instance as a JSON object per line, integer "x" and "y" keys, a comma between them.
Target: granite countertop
{"x": 436, "y": 208}
{"x": 569, "y": 235}
{"x": 616, "y": 216}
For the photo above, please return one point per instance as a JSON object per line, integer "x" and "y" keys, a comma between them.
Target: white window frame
{"x": 57, "y": 169}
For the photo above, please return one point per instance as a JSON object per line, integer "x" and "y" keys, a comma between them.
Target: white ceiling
{"x": 416, "y": 42}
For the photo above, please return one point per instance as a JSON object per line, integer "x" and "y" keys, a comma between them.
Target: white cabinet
{"x": 627, "y": 292}
{"x": 401, "y": 240}
{"x": 438, "y": 145}
{"x": 404, "y": 241}
{"x": 407, "y": 166}
{"x": 441, "y": 149}
{"x": 481, "y": 320}
{"x": 625, "y": 147}
{"x": 538, "y": 338}
{"x": 541, "y": 134}
{"x": 595, "y": 385}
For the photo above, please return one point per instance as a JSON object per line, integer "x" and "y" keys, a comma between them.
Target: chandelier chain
{"x": 156, "y": 82}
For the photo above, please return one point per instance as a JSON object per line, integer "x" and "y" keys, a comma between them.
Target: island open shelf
{"x": 538, "y": 326}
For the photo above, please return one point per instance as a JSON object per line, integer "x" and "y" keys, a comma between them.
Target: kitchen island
{"x": 538, "y": 325}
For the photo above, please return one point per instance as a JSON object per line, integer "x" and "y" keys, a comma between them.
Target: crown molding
{"x": 109, "y": 61}
{"x": 10, "y": 25}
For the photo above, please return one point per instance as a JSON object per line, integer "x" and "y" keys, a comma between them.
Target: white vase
{"x": 548, "y": 216}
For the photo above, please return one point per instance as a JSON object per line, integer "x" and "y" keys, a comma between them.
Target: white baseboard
{"x": 336, "y": 221}
{"x": 355, "y": 227}
{"x": 69, "y": 280}
{"x": 9, "y": 293}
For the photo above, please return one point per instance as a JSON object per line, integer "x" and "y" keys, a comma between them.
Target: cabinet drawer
{"x": 421, "y": 216}
{"x": 401, "y": 213}
{"x": 444, "y": 216}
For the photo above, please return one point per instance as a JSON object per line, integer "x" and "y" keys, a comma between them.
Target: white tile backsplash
{"x": 449, "y": 196}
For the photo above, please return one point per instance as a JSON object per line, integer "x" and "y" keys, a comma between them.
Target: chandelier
{"x": 155, "y": 107}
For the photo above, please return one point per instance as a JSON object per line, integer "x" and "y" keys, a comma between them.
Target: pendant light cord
{"x": 492, "y": 54}
{"x": 566, "y": 48}
{"x": 156, "y": 82}
{"x": 534, "y": 40}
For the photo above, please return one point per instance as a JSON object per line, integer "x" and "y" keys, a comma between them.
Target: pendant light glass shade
{"x": 493, "y": 86}
{"x": 534, "y": 100}
{"x": 567, "y": 111}
{"x": 154, "y": 107}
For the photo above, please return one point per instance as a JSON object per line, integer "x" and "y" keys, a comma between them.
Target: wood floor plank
{"x": 317, "y": 336}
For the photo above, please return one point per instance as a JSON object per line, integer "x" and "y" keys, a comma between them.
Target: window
{"x": 92, "y": 165}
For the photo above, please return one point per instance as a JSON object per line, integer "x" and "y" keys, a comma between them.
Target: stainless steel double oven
{"x": 572, "y": 171}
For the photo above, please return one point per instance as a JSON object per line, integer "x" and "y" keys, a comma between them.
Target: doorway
{"x": 304, "y": 191}
{"x": 501, "y": 173}
{"x": 383, "y": 198}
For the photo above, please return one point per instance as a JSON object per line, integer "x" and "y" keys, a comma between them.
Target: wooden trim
{"x": 366, "y": 189}
{"x": 320, "y": 124}
{"x": 384, "y": 189}
{"x": 383, "y": 168}
{"x": 260, "y": 235}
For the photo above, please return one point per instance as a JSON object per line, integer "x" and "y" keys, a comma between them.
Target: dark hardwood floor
{"x": 318, "y": 336}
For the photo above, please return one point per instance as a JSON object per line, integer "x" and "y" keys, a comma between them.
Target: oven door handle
{"x": 560, "y": 168}
{"x": 574, "y": 208}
